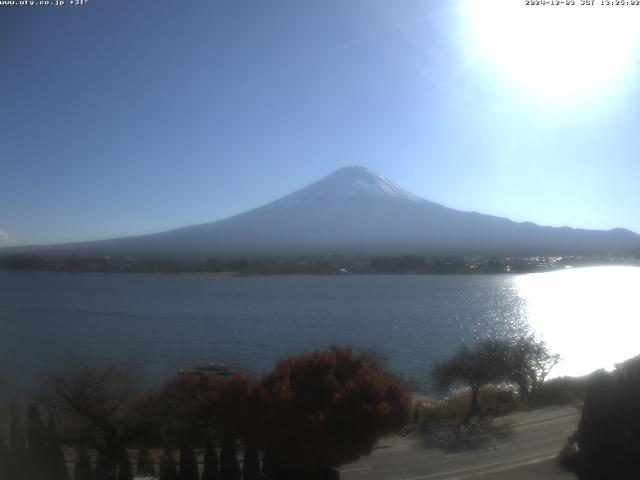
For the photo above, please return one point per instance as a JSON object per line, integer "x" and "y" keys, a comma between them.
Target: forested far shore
{"x": 310, "y": 265}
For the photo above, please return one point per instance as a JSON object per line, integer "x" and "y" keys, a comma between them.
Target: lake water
{"x": 162, "y": 323}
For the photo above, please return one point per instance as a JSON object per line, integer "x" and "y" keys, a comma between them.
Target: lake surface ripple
{"x": 161, "y": 323}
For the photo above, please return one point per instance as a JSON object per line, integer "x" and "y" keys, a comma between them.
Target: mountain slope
{"x": 355, "y": 211}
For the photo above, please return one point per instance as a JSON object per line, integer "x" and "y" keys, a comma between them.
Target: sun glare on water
{"x": 590, "y": 316}
{"x": 555, "y": 50}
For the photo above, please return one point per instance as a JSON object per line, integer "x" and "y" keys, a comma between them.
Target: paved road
{"x": 528, "y": 454}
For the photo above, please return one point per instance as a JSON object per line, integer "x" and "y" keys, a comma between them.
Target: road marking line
{"x": 503, "y": 469}
{"x": 486, "y": 465}
{"x": 356, "y": 469}
{"x": 490, "y": 449}
{"x": 381, "y": 451}
{"x": 522, "y": 426}
{"x": 546, "y": 420}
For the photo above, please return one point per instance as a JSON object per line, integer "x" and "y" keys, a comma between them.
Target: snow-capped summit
{"x": 347, "y": 183}
{"x": 356, "y": 181}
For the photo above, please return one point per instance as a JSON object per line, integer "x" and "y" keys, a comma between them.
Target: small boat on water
{"x": 214, "y": 369}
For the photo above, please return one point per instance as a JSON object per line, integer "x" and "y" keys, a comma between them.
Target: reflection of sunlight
{"x": 590, "y": 316}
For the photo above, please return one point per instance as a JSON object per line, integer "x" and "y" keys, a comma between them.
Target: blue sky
{"x": 129, "y": 117}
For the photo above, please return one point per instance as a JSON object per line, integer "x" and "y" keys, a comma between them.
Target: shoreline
{"x": 238, "y": 274}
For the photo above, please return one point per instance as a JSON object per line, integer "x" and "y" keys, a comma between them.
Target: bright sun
{"x": 556, "y": 50}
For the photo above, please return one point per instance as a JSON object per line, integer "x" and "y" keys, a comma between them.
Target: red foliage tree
{"x": 325, "y": 409}
{"x": 194, "y": 403}
{"x": 188, "y": 407}
{"x": 234, "y": 408}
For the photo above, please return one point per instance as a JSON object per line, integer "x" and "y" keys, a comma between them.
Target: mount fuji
{"x": 355, "y": 211}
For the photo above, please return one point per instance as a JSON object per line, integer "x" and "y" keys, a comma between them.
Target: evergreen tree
{"x": 57, "y": 464}
{"x": 145, "y": 464}
{"x": 17, "y": 448}
{"x": 269, "y": 469}
{"x": 229, "y": 468}
{"x": 210, "y": 467}
{"x": 37, "y": 449}
{"x": 82, "y": 465}
{"x": 125, "y": 472}
{"x": 250, "y": 463}
{"x": 105, "y": 468}
{"x": 188, "y": 464}
{"x": 4, "y": 458}
{"x": 168, "y": 469}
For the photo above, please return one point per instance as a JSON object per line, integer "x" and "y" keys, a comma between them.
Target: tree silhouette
{"x": 229, "y": 468}
{"x": 486, "y": 362}
{"x": 106, "y": 467}
{"x": 82, "y": 465}
{"x": 56, "y": 462}
{"x": 125, "y": 472}
{"x": 4, "y": 457}
{"x": 168, "y": 469}
{"x": 234, "y": 417}
{"x": 192, "y": 403}
{"x": 38, "y": 458}
{"x": 250, "y": 463}
{"x": 530, "y": 361}
{"x": 210, "y": 469}
{"x": 188, "y": 464}
{"x": 18, "y": 451}
{"x": 145, "y": 465}
{"x": 102, "y": 403}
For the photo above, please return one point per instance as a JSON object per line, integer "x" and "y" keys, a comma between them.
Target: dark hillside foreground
{"x": 607, "y": 443}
